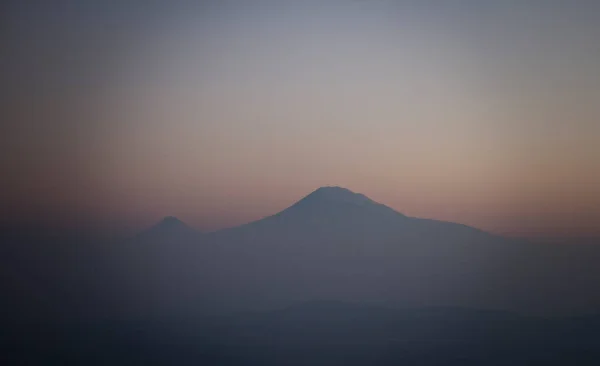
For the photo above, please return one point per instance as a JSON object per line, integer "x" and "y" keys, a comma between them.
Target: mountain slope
{"x": 338, "y": 220}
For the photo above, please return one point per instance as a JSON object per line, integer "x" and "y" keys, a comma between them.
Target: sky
{"x": 222, "y": 112}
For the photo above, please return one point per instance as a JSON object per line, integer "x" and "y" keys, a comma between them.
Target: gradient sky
{"x": 480, "y": 112}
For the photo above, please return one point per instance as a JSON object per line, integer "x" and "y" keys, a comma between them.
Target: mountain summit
{"x": 340, "y": 202}
{"x": 171, "y": 221}
{"x": 338, "y": 194}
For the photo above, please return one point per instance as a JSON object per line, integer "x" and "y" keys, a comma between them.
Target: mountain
{"x": 340, "y": 245}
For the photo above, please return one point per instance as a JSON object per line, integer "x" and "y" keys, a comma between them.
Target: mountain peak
{"x": 171, "y": 221}
{"x": 334, "y": 189}
{"x": 338, "y": 194}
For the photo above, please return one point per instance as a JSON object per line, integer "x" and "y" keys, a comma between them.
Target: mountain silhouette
{"x": 335, "y": 244}
{"x": 336, "y": 194}
{"x": 338, "y": 220}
